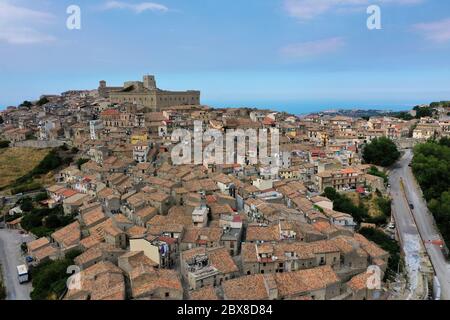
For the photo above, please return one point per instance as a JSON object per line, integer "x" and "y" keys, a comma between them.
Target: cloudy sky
{"x": 286, "y": 54}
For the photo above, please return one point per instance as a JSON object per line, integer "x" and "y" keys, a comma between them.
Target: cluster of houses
{"x": 150, "y": 229}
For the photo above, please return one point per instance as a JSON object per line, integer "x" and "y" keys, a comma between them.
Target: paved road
{"x": 8, "y": 200}
{"x": 422, "y": 218}
{"x": 10, "y": 258}
{"x": 408, "y": 232}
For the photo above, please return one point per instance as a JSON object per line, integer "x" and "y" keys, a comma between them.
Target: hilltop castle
{"x": 147, "y": 94}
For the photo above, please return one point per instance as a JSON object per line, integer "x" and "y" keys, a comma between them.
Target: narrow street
{"x": 416, "y": 224}
{"x": 10, "y": 258}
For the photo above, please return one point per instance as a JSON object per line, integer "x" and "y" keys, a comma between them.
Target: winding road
{"x": 416, "y": 227}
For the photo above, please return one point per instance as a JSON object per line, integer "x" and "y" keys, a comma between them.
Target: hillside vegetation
{"x": 431, "y": 166}
{"x": 17, "y": 162}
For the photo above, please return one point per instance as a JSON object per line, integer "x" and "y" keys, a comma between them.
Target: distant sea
{"x": 300, "y": 107}
{"x": 305, "y": 107}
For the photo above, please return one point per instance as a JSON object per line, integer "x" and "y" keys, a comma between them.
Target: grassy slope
{"x": 16, "y": 162}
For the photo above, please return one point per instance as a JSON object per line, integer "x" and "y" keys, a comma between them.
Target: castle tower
{"x": 102, "y": 84}
{"x": 149, "y": 82}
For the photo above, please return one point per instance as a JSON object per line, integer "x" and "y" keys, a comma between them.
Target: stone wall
{"x": 40, "y": 144}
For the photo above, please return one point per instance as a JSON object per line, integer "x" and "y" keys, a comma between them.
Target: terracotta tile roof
{"x": 120, "y": 218}
{"x": 324, "y": 227}
{"x": 69, "y": 235}
{"x": 359, "y": 282}
{"x": 110, "y": 112}
{"x": 45, "y": 252}
{"x": 102, "y": 281}
{"x": 206, "y": 293}
{"x": 157, "y": 220}
{"x": 157, "y": 230}
{"x": 67, "y": 193}
{"x": 246, "y": 288}
{"x": 248, "y": 252}
{"x": 302, "y": 281}
{"x": 93, "y": 216}
{"x": 222, "y": 261}
{"x": 191, "y": 253}
{"x": 136, "y": 231}
{"x": 107, "y": 227}
{"x": 146, "y": 280}
{"x": 192, "y": 235}
{"x": 95, "y": 252}
{"x": 138, "y": 258}
{"x": 36, "y": 244}
{"x": 371, "y": 248}
{"x": 91, "y": 241}
{"x": 264, "y": 233}
{"x": 146, "y": 212}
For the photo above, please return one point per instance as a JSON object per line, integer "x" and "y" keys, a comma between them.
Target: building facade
{"x": 147, "y": 94}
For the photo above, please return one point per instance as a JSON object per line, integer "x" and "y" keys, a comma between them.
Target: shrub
{"x": 381, "y": 151}
{"x": 41, "y": 197}
{"x": 4, "y": 144}
{"x": 81, "y": 161}
{"x": 375, "y": 172}
{"x": 50, "y": 277}
{"x": 344, "y": 204}
{"x": 42, "y": 101}
{"x": 27, "y": 187}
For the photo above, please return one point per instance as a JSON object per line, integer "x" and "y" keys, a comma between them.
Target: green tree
{"x": 4, "y": 144}
{"x": 422, "y": 112}
{"x": 381, "y": 151}
{"x": 403, "y": 115}
{"x": 40, "y": 197}
{"x": 431, "y": 165}
{"x": 81, "y": 161}
{"x": 42, "y": 101}
{"x": 26, "y": 104}
{"x": 49, "y": 279}
{"x": 26, "y": 204}
{"x": 344, "y": 204}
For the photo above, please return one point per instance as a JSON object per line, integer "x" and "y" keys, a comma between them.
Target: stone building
{"x": 147, "y": 94}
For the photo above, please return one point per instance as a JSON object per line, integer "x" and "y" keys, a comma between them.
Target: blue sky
{"x": 293, "y": 55}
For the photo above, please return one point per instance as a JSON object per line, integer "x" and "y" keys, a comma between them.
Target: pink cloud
{"x": 437, "y": 31}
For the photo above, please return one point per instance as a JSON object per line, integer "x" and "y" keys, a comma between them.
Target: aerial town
{"x": 107, "y": 201}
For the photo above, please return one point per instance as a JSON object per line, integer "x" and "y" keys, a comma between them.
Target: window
{"x": 167, "y": 294}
